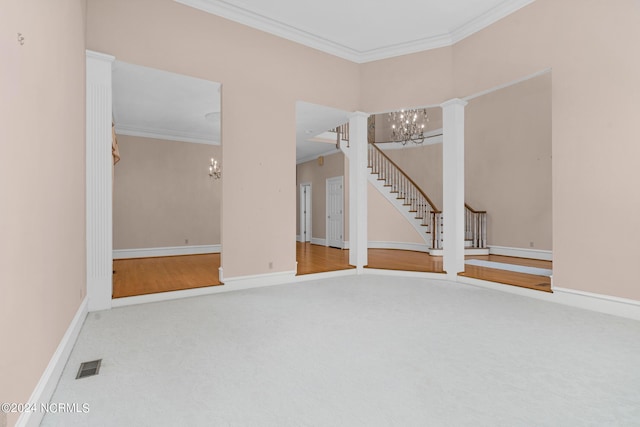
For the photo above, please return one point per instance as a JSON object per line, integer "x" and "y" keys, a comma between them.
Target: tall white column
{"x": 357, "y": 154}
{"x": 99, "y": 181}
{"x": 453, "y": 186}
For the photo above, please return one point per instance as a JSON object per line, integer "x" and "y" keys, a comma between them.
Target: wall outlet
{"x": 530, "y": 244}
{"x": 186, "y": 241}
{"x": 270, "y": 265}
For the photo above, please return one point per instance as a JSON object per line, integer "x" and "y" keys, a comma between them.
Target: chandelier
{"x": 408, "y": 125}
{"x": 214, "y": 169}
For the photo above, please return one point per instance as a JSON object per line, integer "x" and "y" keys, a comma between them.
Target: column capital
{"x": 359, "y": 114}
{"x": 454, "y": 101}
{"x": 99, "y": 55}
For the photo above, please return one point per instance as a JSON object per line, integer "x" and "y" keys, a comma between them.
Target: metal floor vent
{"x": 88, "y": 369}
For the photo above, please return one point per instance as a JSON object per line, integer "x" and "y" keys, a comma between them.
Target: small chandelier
{"x": 214, "y": 169}
{"x": 408, "y": 125}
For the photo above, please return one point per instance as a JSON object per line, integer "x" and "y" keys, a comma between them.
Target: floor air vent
{"x": 88, "y": 369}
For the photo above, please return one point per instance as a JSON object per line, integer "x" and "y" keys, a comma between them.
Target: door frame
{"x": 328, "y": 181}
{"x": 305, "y": 219}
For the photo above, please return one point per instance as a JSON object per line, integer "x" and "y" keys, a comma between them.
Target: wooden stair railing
{"x": 475, "y": 229}
{"x": 407, "y": 190}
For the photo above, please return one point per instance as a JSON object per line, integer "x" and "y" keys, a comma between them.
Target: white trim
{"x": 326, "y": 275}
{"x": 397, "y": 203}
{"x": 168, "y": 296}
{"x": 298, "y": 238}
{"x": 51, "y": 375}
{"x": 168, "y": 251}
{"x": 100, "y": 56}
{"x": 405, "y": 246}
{"x": 259, "y": 280}
{"x": 486, "y": 19}
{"x": 467, "y": 251}
{"x": 453, "y": 244}
{"x": 318, "y": 241}
{"x": 402, "y": 273}
{"x": 99, "y": 180}
{"x": 506, "y": 85}
{"x": 280, "y": 29}
{"x": 335, "y": 179}
{"x": 615, "y": 306}
{"x": 590, "y": 301}
{"x": 163, "y": 134}
{"x": 521, "y": 252}
{"x": 304, "y": 221}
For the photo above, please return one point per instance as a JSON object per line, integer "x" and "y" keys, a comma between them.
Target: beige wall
{"x": 423, "y": 164}
{"x": 42, "y": 222}
{"x": 508, "y": 162}
{"x": 589, "y": 46}
{"x": 385, "y": 223}
{"x": 312, "y": 172}
{"x": 259, "y": 73}
{"x": 163, "y": 194}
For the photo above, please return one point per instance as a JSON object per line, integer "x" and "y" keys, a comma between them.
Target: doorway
{"x": 166, "y": 196}
{"x": 335, "y": 216}
{"x": 305, "y": 213}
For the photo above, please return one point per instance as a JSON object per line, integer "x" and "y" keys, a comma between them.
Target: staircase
{"x": 419, "y": 210}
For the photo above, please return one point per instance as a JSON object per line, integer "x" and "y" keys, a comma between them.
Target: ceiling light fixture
{"x": 408, "y": 125}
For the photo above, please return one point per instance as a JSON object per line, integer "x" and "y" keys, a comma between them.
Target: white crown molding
{"x": 280, "y": 29}
{"x": 488, "y": 18}
{"x": 164, "y": 134}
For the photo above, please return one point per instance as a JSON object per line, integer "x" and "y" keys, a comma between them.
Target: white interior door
{"x": 305, "y": 212}
{"x": 335, "y": 216}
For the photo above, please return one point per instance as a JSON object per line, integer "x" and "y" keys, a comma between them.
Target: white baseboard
{"x": 168, "y": 251}
{"x": 405, "y": 246}
{"x": 49, "y": 379}
{"x": 318, "y": 241}
{"x": 615, "y": 306}
{"x": 402, "y": 273}
{"x": 259, "y": 280}
{"x": 168, "y": 296}
{"x": 326, "y": 275}
{"x": 521, "y": 252}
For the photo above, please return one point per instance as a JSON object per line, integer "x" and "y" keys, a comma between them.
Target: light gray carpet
{"x": 356, "y": 351}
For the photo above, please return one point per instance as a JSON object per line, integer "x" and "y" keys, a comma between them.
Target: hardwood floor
{"x": 141, "y": 276}
{"x": 320, "y": 259}
{"x": 316, "y": 259}
{"x": 531, "y": 281}
{"x": 394, "y": 259}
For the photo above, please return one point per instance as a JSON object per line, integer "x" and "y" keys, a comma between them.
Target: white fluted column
{"x": 357, "y": 154}
{"x": 453, "y": 186}
{"x": 99, "y": 181}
